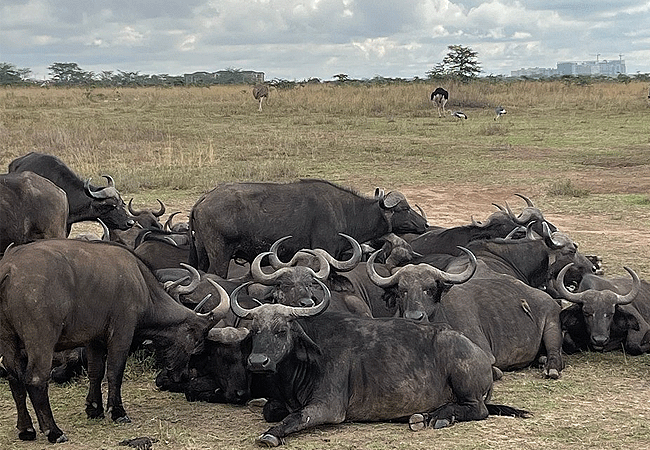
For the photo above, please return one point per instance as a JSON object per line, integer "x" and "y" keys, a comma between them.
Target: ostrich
{"x": 440, "y": 97}
{"x": 458, "y": 114}
{"x": 500, "y": 111}
{"x": 260, "y": 92}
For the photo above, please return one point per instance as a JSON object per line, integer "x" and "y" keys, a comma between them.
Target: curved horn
{"x": 378, "y": 279}
{"x": 236, "y": 308}
{"x": 458, "y": 278}
{"x": 499, "y": 207}
{"x": 630, "y": 296}
{"x": 526, "y": 199}
{"x": 195, "y": 280}
{"x": 351, "y": 263}
{"x": 259, "y": 275}
{"x": 89, "y": 191}
{"x": 161, "y": 211}
{"x": 548, "y": 236}
{"x": 198, "y": 307}
{"x": 220, "y": 311}
{"x": 514, "y": 231}
{"x": 312, "y": 310}
{"x": 564, "y": 292}
{"x": 530, "y": 234}
{"x": 323, "y": 265}
{"x": 274, "y": 260}
{"x": 422, "y": 213}
{"x": 168, "y": 223}
{"x": 109, "y": 180}
{"x": 106, "y": 235}
{"x": 132, "y": 211}
{"x": 514, "y": 218}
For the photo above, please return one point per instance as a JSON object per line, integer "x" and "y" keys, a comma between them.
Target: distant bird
{"x": 458, "y": 114}
{"x": 500, "y": 111}
{"x": 260, "y": 92}
{"x": 440, "y": 97}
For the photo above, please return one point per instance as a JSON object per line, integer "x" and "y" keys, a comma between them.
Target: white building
{"x": 595, "y": 68}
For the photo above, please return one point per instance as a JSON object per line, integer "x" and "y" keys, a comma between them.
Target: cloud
{"x": 297, "y": 39}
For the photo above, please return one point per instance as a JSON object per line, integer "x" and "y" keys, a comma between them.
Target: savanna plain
{"x": 581, "y": 153}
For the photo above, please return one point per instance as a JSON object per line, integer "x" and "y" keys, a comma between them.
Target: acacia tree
{"x": 460, "y": 63}
{"x": 10, "y": 74}
{"x": 69, "y": 73}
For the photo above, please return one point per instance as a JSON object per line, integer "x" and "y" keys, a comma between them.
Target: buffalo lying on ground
{"x": 331, "y": 368}
{"x": 63, "y": 293}
{"x": 607, "y": 314}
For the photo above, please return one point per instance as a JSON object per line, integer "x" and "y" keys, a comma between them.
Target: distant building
{"x": 225, "y": 77}
{"x": 598, "y": 67}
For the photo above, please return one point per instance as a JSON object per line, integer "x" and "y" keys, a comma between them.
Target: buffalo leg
{"x": 448, "y": 414}
{"x": 37, "y": 374}
{"x": 115, "y": 372}
{"x": 309, "y": 417}
{"x": 552, "y": 339}
{"x": 26, "y": 431}
{"x": 96, "y": 367}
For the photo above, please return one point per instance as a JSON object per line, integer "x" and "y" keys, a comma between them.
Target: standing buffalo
{"x": 63, "y": 293}
{"x": 86, "y": 202}
{"x": 31, "y": 208}
{"x": 331, "y": 368}
{"x": 241, "y": 220}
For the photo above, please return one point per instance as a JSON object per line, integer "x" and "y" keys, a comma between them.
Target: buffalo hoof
{"x": 552, "y": 374}
{"x": 442, "y": 423}
{"x": 56, "y": 437}
{"x": 418, "y": 422}
{"x": 268, "y": 440}
{"x": 94, "y": 411}
{"x": 27, "y": 435}
{"x": 123, "y": 419}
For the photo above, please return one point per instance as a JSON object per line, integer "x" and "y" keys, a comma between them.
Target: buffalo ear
{"x": 306, "y": 349}
{"x": 625, "y": 318}
{"x": 570, "y": 317}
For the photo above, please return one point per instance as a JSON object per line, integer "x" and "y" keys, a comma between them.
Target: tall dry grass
{"x": 191, "y": 138}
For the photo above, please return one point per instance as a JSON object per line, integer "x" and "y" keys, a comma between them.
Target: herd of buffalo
{"x": 319, "y": 303}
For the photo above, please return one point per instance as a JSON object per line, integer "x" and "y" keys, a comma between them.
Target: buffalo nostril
{"x": 418, "y": 316}
{"x": 258, "y": 360}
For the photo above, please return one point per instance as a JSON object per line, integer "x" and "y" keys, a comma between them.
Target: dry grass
{"x": 556, "y": 140}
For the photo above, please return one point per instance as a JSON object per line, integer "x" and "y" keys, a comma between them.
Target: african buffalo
{"x": 498, "y": 225}
{"x": 241, "y": 220}
{"x": 85, "y": 201}
{"x": 145, "y": 219}
{"x": 331, "y": 368}
{"x": 607, "y": 314}
{"x": 31, "y": 207}
{"x": 504, "y": 316}
{"x": 64, "y": 293}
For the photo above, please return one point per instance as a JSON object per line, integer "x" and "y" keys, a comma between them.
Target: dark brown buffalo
{"x": 59, "y": 294}
{"x": 331, "y": 368}
{"x": 31, "y": 207}
{"x": 607, "y": 314}
{"x": 86, "y": 202}
{"x": 242, "y": 220}
{"x": 145, "y": 219}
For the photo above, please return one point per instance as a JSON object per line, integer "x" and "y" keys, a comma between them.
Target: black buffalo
{"x": 86, "y": 202}
{"x": 504, "y": 316}
{"x": 145, "y": 219}
{"x": 607, "y": 314}
{"x": 31, "y": 208}
{"x": 242, "y": 220}
{"x": 331, "y": 368}
{"x": 63, "y": 293}
{"x": 498, "y": 225}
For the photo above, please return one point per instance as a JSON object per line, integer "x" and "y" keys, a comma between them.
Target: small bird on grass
{"x": 500, "y": 111}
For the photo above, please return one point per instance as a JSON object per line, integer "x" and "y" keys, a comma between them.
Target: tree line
{"x": 460, "y": 64}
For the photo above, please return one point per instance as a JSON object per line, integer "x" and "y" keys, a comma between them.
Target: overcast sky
{"x": 297, "y": 40}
